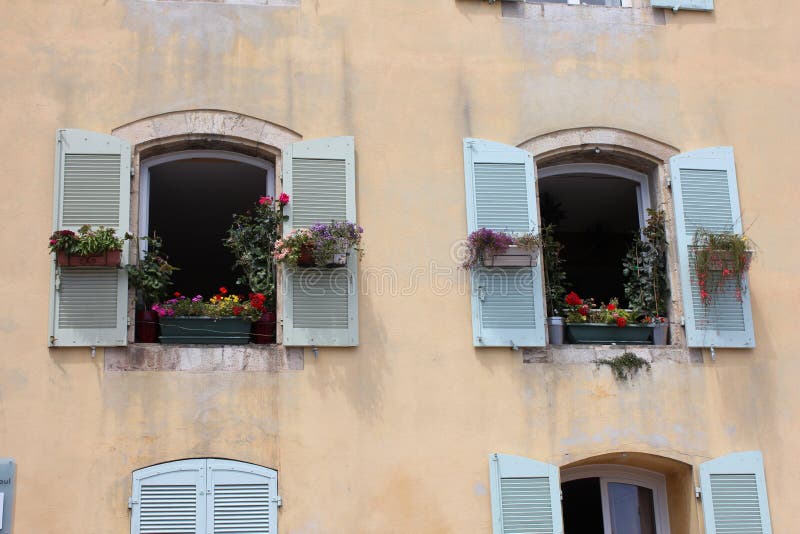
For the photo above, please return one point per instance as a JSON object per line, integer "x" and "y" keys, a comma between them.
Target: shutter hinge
{"x": 669, "y": 183}
{"x": 133, "y": 171}
{"x": 58, "y": 279}
{"x": 132, "y": 501}
{"x": 683, "y": 320}
{"x": 278, "y": 500}
{"x": 697, "y": 493}
{"x": 561, "y": 495}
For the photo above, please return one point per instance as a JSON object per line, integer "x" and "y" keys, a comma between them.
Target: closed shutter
{"x": 697, "y": 5}
{"x": 320, "y": 306}
{"x": 169, "y": 498}
{"x": 507, "y": 302}
{"x": 706, "y": 197}
{"x": 734, "y": 493}
{"x": 242, "y": 498}
{"x": 526, "y": 496}
{"x": 88, "y": 305}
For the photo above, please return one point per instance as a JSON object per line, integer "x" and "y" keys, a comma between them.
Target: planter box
{"x": 608, "y": 334}
{"x": 514, "y": 256}
{"x": 109, "y": 259}
{"x": 205, "y": 330}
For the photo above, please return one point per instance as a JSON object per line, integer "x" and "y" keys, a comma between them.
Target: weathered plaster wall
{"x": 392, "y": 436}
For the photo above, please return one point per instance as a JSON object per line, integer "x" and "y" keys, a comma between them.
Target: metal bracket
{"x": 132, "y": 501}
{"x": 697, "y": 493}
{"x": 713, "y": 353}
{"x": 278, "y": 500}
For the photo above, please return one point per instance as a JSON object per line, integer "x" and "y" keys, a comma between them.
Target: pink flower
{"x": 283, "y": 199}
{"x": 265, "y": 200}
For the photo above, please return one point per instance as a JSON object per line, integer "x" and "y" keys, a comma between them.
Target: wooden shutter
{"x": 706, "y": 197}
{"x": 696, "y": 5}
{"x": 320, "y": 305}
{"x": 88, "y": 305}
{"x": 169, "y": 498}
{"x": 242, "y": 498}
{"x": 734, "y": 493}
{"x": 526, "y": 496}
{"x": 507, "y": 302}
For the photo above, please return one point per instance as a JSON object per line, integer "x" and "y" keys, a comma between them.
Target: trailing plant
{"x": 645, "y": 267}
{"x": 583, "y": 311}
{"x": 251, "y": 239}
{"x": 490, "y": 242}
{"x": 555, "y": 277}
{"x": 152, "y": 275}
{"x": 87, "y": 242}
{"x": 322, "y": 241}
{"x": 218, "y": 306}
{"x": 721, "y": 260}
{"x": 625, "y": 365}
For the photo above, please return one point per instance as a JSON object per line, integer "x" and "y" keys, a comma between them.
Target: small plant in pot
{"x": 151, "y": 276}
{"x": 322, "y": 245}
{"x": 555, "y": 280}
{"x": 492, "y": 248}
{"x": 88, "y": 248}
{"x": 721, "y": 263}
{"x": 252, "y": 239}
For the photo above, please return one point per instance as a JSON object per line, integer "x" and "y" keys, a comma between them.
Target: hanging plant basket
{"x": 109, "y": 258}
{"x": 513, "y": 256}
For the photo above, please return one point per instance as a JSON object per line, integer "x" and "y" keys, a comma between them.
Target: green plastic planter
{"x": 205, "y": 330}
{"x": 608, "y": 334}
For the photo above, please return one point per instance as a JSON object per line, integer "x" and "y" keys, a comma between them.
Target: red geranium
{"x": 622, "y": 321}
{"x": 223, "y": 291}
{"x": 237, "y": 310}
{"x": 611, "y": 307}
{"x": 584, "y": 310}
{"x": 573, "y": 299}
{"x": 176, "y": 294}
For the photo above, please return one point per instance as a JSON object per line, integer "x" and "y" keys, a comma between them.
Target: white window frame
{"x": 144, "y": 178}
{"x": 656, "y": 482}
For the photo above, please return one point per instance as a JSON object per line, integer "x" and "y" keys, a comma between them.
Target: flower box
{"x": 110, "y": 258}
{"x": 513, "y": 256}
{"x": 205, "y": 330}
{"x": 609, "y": 334}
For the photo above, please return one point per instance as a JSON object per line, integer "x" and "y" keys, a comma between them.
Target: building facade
{"x": 419, "y": 397}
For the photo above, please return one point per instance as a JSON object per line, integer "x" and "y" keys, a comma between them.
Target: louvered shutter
{"x": 734, "y": 493}
{"x": 526, "y": 496}
{"x": 88, "y": 305}
{"x": 696, "y": 5}
{"x": 320, "y": 306}
{"x": 242, "y": 498}
{"x": 706, "y": 197}
{"x": 170, "y": 498}
{"x": 507, "y": 302}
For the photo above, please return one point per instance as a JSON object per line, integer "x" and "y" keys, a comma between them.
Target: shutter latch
{"x": 697, "y": 493}
{"x": 278, "y": 500}
{"x": 132, "y": 501}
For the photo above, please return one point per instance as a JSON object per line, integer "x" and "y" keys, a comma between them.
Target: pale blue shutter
{"x": 734, "y": 493}
{"x": 526, "y": 496}
{"x": 320, "y": 306}
{"x": 89, "y": 305}
{"x": 507, "y": 302}
{"x": 242, "y": 498}
{"x": 169, "y": 498}
{"x": 697, "y": 5}
{"x": 706, "y": 197}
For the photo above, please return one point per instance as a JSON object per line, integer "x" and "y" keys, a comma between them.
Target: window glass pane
{"x": 631, "y": 508}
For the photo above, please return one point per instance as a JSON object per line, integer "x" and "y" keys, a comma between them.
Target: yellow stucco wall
{"x": 393, "y": 436}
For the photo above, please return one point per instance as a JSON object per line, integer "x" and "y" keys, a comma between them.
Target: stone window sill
{"x": 203, "y": 358}
{"x": 580, "y": 354}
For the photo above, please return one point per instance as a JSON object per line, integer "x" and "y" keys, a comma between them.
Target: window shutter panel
{"x": 507, "y": 302}
{"x": 169, "y": 498}
{"x": 89, "y": 305}
{"x": 696, "y": 5}
{"x": 242, "y": 498}
{"x": 706, "y": 196}
{"x": 734, "y": 493}
{"x": 320, "y": 306}
{"x": 526, "y": 496}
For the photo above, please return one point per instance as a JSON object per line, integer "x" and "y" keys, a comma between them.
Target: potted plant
{"x": 555, "y": 280}
{"x": 87, "y": 247}
{"x": 606, "y": 324}
{"x": 721, "y": 262}
{"x": 151, "y": 276}
{"x": 322, "y": 245}
{"x": 222, "y": 319}
{"x": 252, "y": 239}
{"x": 500, "y": 249}
{"x": 645, "y": 268}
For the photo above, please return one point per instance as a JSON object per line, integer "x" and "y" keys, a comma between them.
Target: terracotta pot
{"x": 306, "y": 256}
{"x": 108, "y": 259}
{"x": 263, "y": 330}
{"x": 146, "y": 326}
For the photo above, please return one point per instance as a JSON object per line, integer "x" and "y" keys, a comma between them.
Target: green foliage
{"x": 152, "y": 275}
{"x": 645, "y": 267}
{"x": 251, "y": 239}
{"x": 87, "y": 242}
{"x": 625, "y": 365}
{"x": 217, "y": 307}
{"x": 718, "y": 258}
{"x": 555, "y": 277}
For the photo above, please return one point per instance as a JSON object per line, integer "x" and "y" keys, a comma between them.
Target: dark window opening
{"x": 582, "y": 506}
{"x": 192, "y": 203}
{"x": 595, "y": 219}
